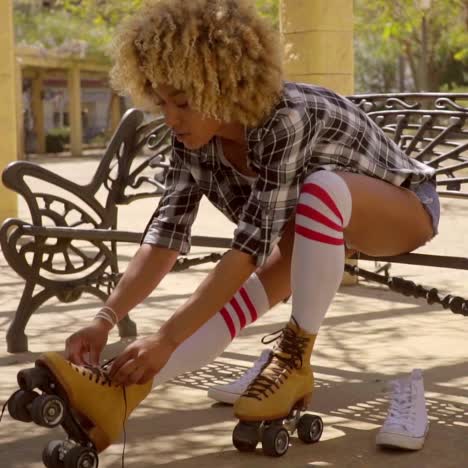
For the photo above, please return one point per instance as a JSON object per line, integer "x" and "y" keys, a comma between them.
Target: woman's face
{"x": 190, "y": 127}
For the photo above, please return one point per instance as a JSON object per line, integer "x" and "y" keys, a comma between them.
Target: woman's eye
{"x": 161, "y": 103}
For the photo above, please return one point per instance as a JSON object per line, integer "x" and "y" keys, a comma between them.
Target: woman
{"x": 302, "y": 172}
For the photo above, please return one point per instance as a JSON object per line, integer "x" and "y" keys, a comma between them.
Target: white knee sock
{"x": 210, "y": 340}
{"x": 324, "y": 209}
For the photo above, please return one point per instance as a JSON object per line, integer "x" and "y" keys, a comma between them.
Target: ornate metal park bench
{"x": 70, "y": 245}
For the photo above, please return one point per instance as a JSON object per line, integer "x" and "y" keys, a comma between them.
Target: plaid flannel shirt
{"x": 311, "y": 128}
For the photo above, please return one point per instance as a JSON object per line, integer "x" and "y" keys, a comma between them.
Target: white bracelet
{"x": 104, "y": 316}
{"x": 112, "y": 311}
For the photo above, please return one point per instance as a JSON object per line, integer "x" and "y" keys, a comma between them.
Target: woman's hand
{"x": 141, "y": 360}
{"x": 85, "y": 346}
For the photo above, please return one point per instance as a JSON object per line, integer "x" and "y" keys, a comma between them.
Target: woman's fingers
{"x": 74, "y": 352}
{"x": 123, "y": 365}
{"x": 94, "y": 355}
{"x": 146, "y": 376}
{"x": 135, "y": 376}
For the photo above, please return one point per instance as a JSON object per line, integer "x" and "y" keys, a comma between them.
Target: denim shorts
{"x": 429, "y": 197}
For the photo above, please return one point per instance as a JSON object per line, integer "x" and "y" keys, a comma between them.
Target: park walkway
{"x": 370, "y": 335}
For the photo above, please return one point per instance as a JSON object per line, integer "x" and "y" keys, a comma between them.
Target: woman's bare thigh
{"x": 385, "y": 219}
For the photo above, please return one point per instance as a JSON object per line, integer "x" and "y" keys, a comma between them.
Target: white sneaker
{"x": 406, "y": 425}
{"x": 229, "y": 393}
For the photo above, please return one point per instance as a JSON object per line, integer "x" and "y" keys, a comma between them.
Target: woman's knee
{"x": 333, "y": 192}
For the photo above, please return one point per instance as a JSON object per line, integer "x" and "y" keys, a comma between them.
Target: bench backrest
{"x": 431, "y": 127}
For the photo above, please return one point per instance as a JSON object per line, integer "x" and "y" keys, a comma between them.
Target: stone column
{"x": 8, "y": 92}
{"x": 20, "y": 111}
{"x": 318, "y": 35}
{"x": 115, "y": 112}
{"x": 318, "y": 38}
{"x": 38, "y": 110}
{"x": 74, "y": 102}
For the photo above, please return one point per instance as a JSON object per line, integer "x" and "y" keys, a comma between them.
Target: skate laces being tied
{"x": 286, "y": 355}
{"x": 101, "y": 376}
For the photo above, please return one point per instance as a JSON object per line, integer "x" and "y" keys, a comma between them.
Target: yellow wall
{"x": 8, "y": 122}
{"x": 318, "y": 36}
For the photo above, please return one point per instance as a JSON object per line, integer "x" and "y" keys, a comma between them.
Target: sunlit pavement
{"x": 370, "y": 336}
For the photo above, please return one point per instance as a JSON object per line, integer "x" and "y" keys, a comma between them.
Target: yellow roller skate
{"x": 81, "y": 399}
{"x": 270, "y": 409}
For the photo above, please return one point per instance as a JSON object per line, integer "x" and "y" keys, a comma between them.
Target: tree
{"x": 84, "y": 27}
{"x": 55, "y": 28}
{"x": 387, "y": 33}
{"x": 270, "y": 10}
{"x": 434, "y": 43}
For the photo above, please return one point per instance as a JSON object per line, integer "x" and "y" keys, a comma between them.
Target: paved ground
{"x": 370, "y": 335}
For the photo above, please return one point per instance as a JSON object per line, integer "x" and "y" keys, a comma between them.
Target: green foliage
{"x": 61, "y": 31}
{"x": 56, "y": 139}
{"x": 106, "y": 13}
{"x": 387, "y": 29}
{"x": 74, "y": 27}
{"x": 111, "y": 12}
{"x": 269, "y": 9}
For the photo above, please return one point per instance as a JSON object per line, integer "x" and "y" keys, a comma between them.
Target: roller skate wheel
{"x": 275, "y": 441}
{"x": 51, "y": 455}
{"x": 29, "y": 379}
{"x": 245, "y": 437}
{"x": 48, "y": 411}
{"x": 80, "y": 457}
{"x": 310, "y": 428}
{"x": 19, "y": 405}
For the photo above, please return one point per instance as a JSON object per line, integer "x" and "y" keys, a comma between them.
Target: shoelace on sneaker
{"x": 401, "y": 404}
{"x": 288, "y": 350}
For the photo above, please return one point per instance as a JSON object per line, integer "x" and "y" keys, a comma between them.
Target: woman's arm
{"x": 144, "y": 272}
{"x": 144, "y": 358}
{"x": 216, "y": 289}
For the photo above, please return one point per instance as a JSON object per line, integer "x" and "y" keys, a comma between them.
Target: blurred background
{"x": 62, "y": 56}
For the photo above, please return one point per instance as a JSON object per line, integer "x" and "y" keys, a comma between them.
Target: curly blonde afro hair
{"x": 221, "y": 53}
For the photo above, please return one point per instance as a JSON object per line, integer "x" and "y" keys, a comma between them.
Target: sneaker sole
{"x": 223, "y": 396}
{"x": 401, "y": 441}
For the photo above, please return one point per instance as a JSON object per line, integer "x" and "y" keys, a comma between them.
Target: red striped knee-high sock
{"x": 248, "y": 304}
{"x": 323, "y": 211}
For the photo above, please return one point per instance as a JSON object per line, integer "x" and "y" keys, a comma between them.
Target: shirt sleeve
{"x": 170, "y": 226}
{"x": 280, "y": 159}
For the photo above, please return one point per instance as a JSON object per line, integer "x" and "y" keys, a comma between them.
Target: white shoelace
{"x": 401, "y": 404}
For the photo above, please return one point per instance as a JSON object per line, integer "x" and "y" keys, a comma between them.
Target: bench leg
{"x": 17, "y": 341}
{"x": 127, "y": 327}
{"x": 16, "y": 338}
